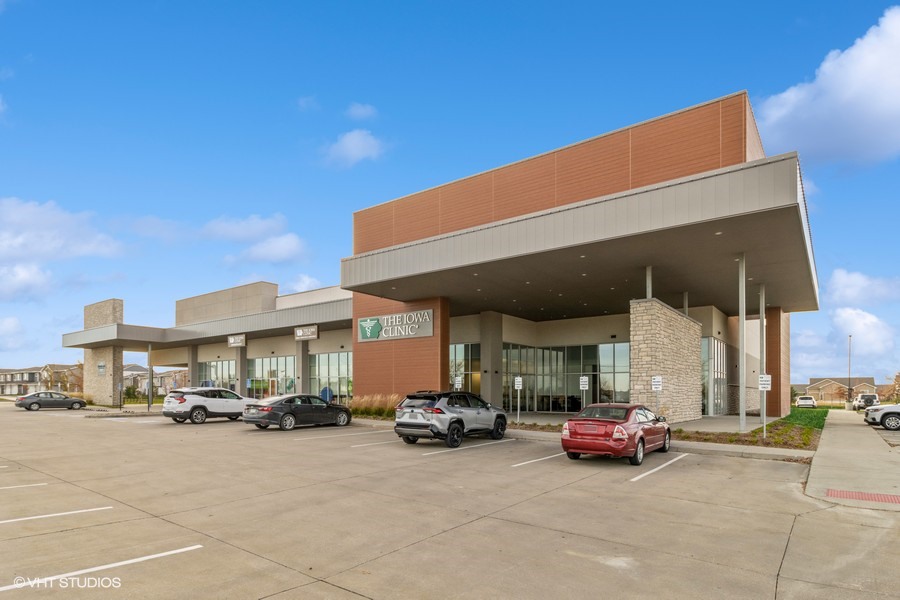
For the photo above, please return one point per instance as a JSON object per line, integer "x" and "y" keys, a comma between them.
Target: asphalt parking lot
{"x": 146, "y": 508}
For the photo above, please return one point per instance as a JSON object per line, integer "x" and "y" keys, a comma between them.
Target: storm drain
{"x": 848, "y": 495}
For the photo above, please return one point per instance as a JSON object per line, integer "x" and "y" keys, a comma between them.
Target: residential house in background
{"x": 833, "y": 390}
{"x": 50, "y": 377}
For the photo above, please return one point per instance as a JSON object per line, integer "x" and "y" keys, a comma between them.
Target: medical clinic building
{"x": 636, "y": 264}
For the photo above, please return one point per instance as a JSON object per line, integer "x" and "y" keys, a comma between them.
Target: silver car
{"x": 39, "y": 400}
{"x": 447, "y": 416}
{"x": 886, "y": 415}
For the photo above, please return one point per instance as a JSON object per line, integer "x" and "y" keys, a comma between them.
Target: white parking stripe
{"x": 13, "y": 487}
{"x": 73, "y": 512}
{"x": 641, "y": 476}
{"x": 44, "y": 580}
{"x": 322, "y": 437}
{"x": 376, "y": 444}
{"x": 538, "y": 459}
{"x": 4, "y": 466}
{"x": 466, "y": 447}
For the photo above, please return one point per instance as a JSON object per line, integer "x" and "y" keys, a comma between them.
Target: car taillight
{"x": 265, "y": 409}
{"x": 619, "y": 433}
{"x": 436, "y": 411}
{"x": 565, "y": 432}
{"x": 181, "y": 399}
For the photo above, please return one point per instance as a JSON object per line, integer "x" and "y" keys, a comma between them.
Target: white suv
{"x": 197, "y": 404}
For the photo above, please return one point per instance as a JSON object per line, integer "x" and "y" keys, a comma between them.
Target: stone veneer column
{"x": 103, "y": 366}
{"x": 665, "y": 342}
{"x": 492, "y": 357}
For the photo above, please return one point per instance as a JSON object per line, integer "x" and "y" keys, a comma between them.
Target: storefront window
{"x": 465, "y": 362}
{"x": 331, "y": 376}
{"x": 271, "y": 376}
{"x": 218, "y": 373}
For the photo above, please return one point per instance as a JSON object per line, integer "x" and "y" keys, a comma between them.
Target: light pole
{"x": 849, "y": 387}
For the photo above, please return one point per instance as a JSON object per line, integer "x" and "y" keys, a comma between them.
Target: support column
{"x": 103, "y": 366}
{"x": 492, "y": 357}
{"x": 302, "y": 362}
{"x": 240, "y": 370}
{"x": 684, "y": 302}
{"x": 649, "y": 276}
{"x": 762, "y": 349}
{"x": 193, "y": 366}
{"x": 742, "y": 342}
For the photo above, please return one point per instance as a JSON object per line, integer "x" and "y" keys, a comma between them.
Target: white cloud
{"x": 23, "y": 281}
{"x": 871, "y": 335}
{"x": 304, "y": 283}
{"x": 360, "y": 111}
{"x": 251, "y": 227}
{"x": 273, "y": 250}
{"x": 307, "y": 103}
{"x": 807, "y": 339}
{"x": 353, "y": 147}
{"x": 853, "y": 288}
{"x": 12, "y": 334}
{"x": 849, "y": 112}
{"x": 31, "y": 231}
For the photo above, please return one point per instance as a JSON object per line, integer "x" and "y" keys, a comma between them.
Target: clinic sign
{"x": 398, "y": 326}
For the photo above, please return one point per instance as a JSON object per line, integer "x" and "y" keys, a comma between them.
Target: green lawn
{"x": 807, "y": 417}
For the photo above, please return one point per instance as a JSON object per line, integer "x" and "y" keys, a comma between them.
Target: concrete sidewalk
{"x": 854, "y": 466}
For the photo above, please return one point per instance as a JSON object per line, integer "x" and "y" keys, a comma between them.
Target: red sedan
{"x": 616, "y": 430}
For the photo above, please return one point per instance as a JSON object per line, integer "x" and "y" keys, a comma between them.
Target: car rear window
{"x": 603, "y": 412}
{"x": 419, "y": 402}
{"x": 868, "y": 396}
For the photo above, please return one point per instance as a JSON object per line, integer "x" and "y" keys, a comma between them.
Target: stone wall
{"x": 103, "y": 366}
{"x": 665, "y": 342}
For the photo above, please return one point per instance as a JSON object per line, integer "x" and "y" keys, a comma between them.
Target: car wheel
{"x": 454, "y": 435}
{"x": 234, "y": 418}
{"x": 574, "y": 455}
{"x": 77, "y": 406}
{"x": 666, "y": 443}
{"x": 891, "y": 422}
{"x": 638, "y": 456}
{"x": 262, "y": 425}
{"x": 499, "y": 429}
{"x": 287, "y": 422}
{"x": 410, "y": 439}
{"x": 198, "y": 416}
{"x": 342, "y": 419}
{"x": 34, "y": 406}
{"x": 179, "y": 419}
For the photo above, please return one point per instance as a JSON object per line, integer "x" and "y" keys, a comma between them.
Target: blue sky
{"x": 152, "y": 151}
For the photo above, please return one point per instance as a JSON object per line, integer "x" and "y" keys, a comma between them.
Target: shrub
{"x": 375, "y": 405}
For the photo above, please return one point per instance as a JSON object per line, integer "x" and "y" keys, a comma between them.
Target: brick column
{"x": 103, "y": 366}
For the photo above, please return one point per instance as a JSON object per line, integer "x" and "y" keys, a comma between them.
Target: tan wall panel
{"x": 417, "y": 216}
{"x": 682, "y": 144}
{"x": 373, "y": 228}
{"x": 734, "y": 130}
{"x": 755, "y": 150}
{"x": 525, "y": 187}
{"x": 467, "y": 203}
{"x": 594, "y": 168}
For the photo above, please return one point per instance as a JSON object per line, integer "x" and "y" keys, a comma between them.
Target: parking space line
{"x": 538, "y": 460}
{"x": 376, "y": 444}
{"x": 13, "y": 487}
{"x": 4, "y": 466}
{"x": 322, "y": 437}
{"x": 44, "y": 580}
{"x": 73, "y": 512}
{"x": 663, "y": 466}
{"x": 467, "y": 447}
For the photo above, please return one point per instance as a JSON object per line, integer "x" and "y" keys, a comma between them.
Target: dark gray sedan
{"x": 39, "y": 400}
{"x": 295, "y": 409}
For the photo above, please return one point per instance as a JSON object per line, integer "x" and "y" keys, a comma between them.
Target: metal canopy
{"x": 589, "y": 259}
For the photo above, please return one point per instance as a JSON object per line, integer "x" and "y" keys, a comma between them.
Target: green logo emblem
{"x": 369, "y": 329}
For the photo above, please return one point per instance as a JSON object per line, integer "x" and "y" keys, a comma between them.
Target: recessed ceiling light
{"x": 612, "y": 288}
{"x": 527, "y": 283}
{"x": 584, "y": 274}
{"x": 749, "y": 279}
{"x": 475, "y": 274}
{"x": 393, "y": 288}
{"x": 542, "y": 308}
{"x": 718, "y": 233}
{"x": 514, "y": 300}
{"x": 478, "y": 289}
{"x": 582, "y": 256}
{"x": 560, "y": 294}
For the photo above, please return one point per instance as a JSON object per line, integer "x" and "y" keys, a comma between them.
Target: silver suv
{"x": 447, "y": 416}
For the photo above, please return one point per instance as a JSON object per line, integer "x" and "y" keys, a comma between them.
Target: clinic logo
{"x": 369, "y": 329}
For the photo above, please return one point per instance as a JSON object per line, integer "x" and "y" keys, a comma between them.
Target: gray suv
{"x": 447, "y": 416}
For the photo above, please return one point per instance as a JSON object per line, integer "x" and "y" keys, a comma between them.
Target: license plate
{"x": 251, "y": 411}
{"x": 589, "y": 428}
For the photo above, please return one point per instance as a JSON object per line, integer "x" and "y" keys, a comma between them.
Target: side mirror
{"x": 661, "y": 419}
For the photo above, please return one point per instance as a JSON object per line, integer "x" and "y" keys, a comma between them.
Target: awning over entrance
{"x": 590, "y": 258}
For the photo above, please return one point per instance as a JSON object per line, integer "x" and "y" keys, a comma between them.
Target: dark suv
{"x": 447, "y": 416}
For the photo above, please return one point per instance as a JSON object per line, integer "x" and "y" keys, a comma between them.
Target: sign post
{"x": 656, "y": 386}
{"x": 765, "y": 384}
{"x": 583, "y": 386}
{"x": 457, "y": 382}
{"x": 518, "y": 385}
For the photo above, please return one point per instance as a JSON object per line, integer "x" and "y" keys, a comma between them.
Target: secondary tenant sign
{"x": 418, "y": 323}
